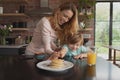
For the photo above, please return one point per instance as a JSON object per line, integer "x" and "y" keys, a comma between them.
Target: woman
{"x": 62, "y": 23}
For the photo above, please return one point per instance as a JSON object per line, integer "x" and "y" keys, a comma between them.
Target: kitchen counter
{"x": 13, "y": 46}
{"x": 12, "y": 49}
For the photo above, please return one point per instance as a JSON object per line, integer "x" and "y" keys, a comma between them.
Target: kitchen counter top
{"x": 13, "y": 46}
{"x": 12, "y": 49}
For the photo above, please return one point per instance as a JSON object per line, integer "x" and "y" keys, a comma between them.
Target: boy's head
{"x": 75, "y": 41}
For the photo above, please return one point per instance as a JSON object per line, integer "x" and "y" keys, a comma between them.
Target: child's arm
{"x": 84, "y": 53}
{"x": 58, "y": 54}
{"x": 54, "y": 55}
{"x": 80, "y": 56}
{"x": 62, "y": 52}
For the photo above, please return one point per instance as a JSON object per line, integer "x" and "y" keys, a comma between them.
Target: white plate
{"x": 44, "y": 65}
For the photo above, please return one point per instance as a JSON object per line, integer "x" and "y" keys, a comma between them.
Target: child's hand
{"x": 54, "y": 55}
{"x": 62, "y": 53}
{"x": 80, "y": 56}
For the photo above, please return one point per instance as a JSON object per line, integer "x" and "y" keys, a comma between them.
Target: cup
{"x": 91, "y": 58}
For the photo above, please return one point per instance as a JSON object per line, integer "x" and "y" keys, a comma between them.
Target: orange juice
{"x": 91, "y": 58}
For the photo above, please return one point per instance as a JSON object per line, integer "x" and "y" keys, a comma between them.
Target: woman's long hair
{"x": 69, "y": 27}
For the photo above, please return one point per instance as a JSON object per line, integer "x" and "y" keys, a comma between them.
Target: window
{"x": 116, "y": 24}
{"x": 102, "y": 25}
{"x": 107, "y": 25}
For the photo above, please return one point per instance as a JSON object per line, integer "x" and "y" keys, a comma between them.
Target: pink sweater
{"x": 43, "y": 38}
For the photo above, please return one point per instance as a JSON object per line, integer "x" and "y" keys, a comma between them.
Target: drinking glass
{"x": 91, "y": 58}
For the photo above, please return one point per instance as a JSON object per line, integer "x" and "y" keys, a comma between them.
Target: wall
{"x": 32, "y": 20}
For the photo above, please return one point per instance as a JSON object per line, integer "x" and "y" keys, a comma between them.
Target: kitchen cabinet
{"x": 14, "y": 14}
{"x": 15, "y": 20}
{"x": 86, "y": 20}
{"x": 86, "y": 32}
{"x": 19, "y": 22}
{"x": 13, "y": 1}
{"x": 87, "y": 35}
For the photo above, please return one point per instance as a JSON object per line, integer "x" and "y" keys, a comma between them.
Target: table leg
{"x": 114, "y": 57}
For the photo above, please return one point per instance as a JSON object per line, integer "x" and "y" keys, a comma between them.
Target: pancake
{"x": 57, "y": 63}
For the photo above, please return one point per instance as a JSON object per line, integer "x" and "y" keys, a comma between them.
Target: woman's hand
{"x": 39, "y": 53}
{"x": 80, "y": 56}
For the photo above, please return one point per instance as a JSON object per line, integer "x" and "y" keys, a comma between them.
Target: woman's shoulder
{"x": 43, "y": 22}
{"x": 44, "y": 19}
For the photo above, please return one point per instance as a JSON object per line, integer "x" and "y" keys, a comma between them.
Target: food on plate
{"x": 57, "y": 63}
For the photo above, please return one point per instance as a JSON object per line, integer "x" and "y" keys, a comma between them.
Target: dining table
{"x": 24, "y": 67}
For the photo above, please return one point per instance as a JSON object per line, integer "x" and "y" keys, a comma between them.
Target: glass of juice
{"x": 91, "y": 58}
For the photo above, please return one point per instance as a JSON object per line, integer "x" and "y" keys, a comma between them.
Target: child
{"x": 73, "y": 48}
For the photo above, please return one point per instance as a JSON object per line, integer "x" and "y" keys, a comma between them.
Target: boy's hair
{"x": 75, "y": 38}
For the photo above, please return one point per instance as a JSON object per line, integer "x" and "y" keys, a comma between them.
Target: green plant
{"x": 86, "y": 7}
{"x": 86, "y": 11}
{"x": 5, "y": 29}
{"x": 87, "y": 3}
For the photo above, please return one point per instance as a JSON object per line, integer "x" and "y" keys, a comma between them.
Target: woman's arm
{"x": 48, "y": 37}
